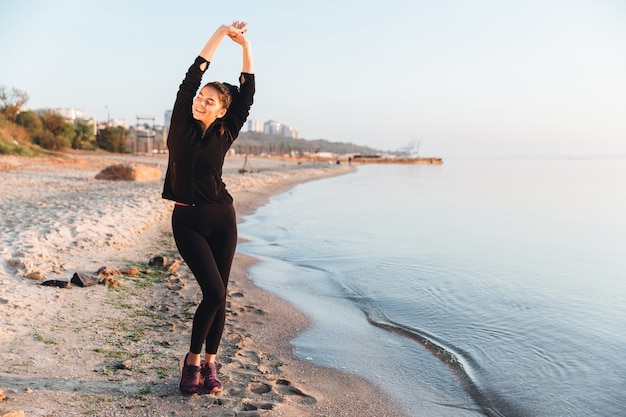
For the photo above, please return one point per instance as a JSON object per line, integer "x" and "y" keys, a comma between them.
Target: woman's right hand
{"x": 236, "y": 32}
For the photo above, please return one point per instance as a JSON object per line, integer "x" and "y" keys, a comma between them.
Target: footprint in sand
{"x": 252, "y": 309}
{"x": 243, "y": 310}
{"x": 281, "y": 387}
{"x": 285, "y": 387}
{"x": 259, "y": 388}
{"x": 257, "y": 406}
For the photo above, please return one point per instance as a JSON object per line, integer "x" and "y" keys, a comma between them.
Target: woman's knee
{"x": 214, "y": 296}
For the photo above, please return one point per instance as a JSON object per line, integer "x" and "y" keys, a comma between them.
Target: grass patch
{"x": 143, "y": 281}
{"x": 147, "y": 277}
{"x": 136, "y": 334}
{"x": 187, "y": 314}
{"x": 162, "y": 372}
{"x": 114, "y": 354}
{"x": 143, "y": 392}
{"x": 40, "y": 338}
{"x": 154, "y": 315}
{"x": 128, "y": 332}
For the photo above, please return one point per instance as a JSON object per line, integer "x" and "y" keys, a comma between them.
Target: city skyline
{"x": 473, "y": 79}
{"x": 270, "y": 127}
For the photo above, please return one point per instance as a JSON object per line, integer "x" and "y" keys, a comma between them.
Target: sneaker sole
{"x": 215, "y": 390}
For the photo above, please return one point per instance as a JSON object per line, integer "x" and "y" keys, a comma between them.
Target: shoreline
{"x": 114, "y": 352}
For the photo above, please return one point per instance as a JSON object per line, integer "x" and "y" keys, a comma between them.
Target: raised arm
{"x": 238, "y": 36}
{"x": 237, "y": 29}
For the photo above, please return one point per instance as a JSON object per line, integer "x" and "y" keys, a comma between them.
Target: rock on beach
{"x": 130, "y": 172}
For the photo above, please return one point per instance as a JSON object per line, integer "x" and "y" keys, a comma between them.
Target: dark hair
{"x": 225, "y": 91}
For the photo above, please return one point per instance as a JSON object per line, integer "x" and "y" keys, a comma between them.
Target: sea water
{"x": 476, "y": 287}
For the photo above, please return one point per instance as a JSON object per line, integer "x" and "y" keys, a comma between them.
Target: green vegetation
{"x": 111, "y": 354}
{"x": 147, "y": 277}
{"x": 15, "y": 140}
{"x": 133, "y": 329}
{"x": 41, "y": 338}
{"x": 162, "y": 372}
{"x": 113, "y": 139}
{"x": 30, "y": 133}
{"x": 11, "y": 101}
{"x": 143, "y": 392}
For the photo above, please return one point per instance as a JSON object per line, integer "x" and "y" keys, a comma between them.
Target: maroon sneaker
{"x": 211, "y": 383}
{"x": 190, "y": 378}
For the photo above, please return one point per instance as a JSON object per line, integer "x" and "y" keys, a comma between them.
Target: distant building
{"x": 68, "y": 114}
{"x": 272, "y": 127}
{"x": 255, "y": 126}
{"x": 289, "y": 132}
{"x": 120, "y": 123}
{"x": 167, "y": 120}
{"x": 112, "y": 123}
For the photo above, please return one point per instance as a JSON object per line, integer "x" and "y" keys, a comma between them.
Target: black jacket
{"x": 194, "y": 171}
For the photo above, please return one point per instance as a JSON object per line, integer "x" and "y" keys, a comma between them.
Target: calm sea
{"x": 477, "y": 287}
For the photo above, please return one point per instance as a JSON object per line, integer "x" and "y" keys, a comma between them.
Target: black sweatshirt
{"x": 194, "y": 171}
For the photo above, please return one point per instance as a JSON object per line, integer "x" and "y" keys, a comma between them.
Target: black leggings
{"x": 206, "y": 238}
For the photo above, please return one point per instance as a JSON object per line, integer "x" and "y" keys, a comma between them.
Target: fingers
{"x": 236, "y": 32}
{"x": 240, "y": 27}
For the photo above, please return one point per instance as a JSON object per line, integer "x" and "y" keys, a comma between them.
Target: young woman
{"x": 202, "y": 129}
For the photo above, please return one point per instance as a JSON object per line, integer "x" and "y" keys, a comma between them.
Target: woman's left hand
{"x": 236, "y": 32}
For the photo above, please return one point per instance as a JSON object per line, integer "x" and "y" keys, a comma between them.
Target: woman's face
{"x": 207, "y": 106}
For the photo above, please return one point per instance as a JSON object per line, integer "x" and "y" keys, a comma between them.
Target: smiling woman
{"x": 212, "y": 102}
{"x": 202, "y": 131}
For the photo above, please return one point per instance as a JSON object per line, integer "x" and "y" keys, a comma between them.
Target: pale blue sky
{"x": 473, "y": 78}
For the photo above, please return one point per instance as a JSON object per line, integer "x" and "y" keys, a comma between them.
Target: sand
{"x": 114, "y": 351}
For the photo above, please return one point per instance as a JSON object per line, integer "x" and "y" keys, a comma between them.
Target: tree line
{"x": 48, "y": 130}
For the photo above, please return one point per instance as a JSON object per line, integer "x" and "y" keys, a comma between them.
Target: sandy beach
{"x": 114, "y": 350}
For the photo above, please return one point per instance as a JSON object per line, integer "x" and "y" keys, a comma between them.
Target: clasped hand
{"x": 236, "y": 32}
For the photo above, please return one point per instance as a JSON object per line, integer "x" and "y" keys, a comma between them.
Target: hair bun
{"x": 233, "y": 89}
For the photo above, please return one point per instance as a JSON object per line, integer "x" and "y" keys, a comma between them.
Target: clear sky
{"x": 470, "y": 77}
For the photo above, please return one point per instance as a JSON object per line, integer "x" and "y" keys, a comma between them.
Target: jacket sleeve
{"x": 240, "y": 106}
{"x": 187, "y": 91}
